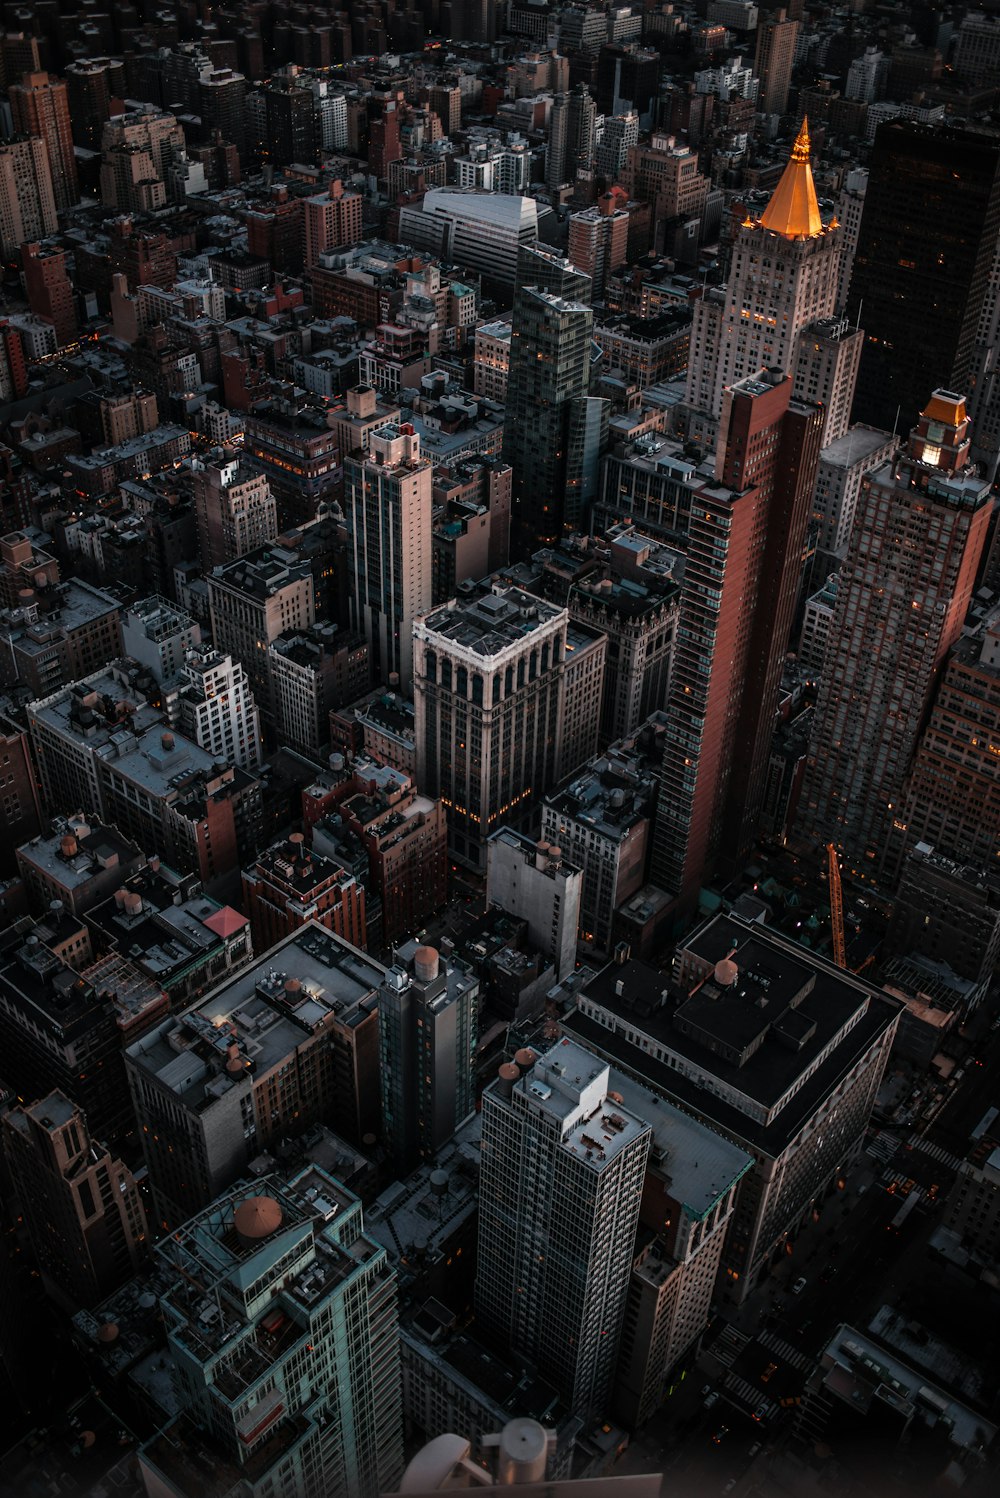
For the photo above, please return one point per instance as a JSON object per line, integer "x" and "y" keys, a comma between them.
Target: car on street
{"x": 730, "y": 1485}
{"x": 720, "y": 1435}
{"x": 800, "y": 1285}
{"x": 755, "y": 1449}
{"x": 712, "y": 1399}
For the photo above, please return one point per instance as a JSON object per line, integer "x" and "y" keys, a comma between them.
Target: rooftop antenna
{"x": 857, "y": 322}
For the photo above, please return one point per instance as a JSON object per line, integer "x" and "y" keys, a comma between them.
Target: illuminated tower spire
{"x": 793, "y": 210}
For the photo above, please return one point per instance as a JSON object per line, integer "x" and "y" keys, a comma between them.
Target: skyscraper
{"x": 50, "y": 290}
{"x": 387, "y": 500}
{"x": 563, "y": 1162}
{"x": 598, "y": 240}
{"x": 82, "y": 1207}
{"x": 428, "y": 1028}
{"x": 782, "y": 281}
{"x": 235, "y": 508}
{"x": 774, "y": 59}
{"x": 744, "y": 557}
{"x": 902, "y": 599}
{"x": 27, "y": 206}
{"x": 489, "y": 694}
{"x": 282, "y": 1332}
{"x": 549, "y": 376}
{"x": 40, "y": 106}
{"x": 921, "y": 270}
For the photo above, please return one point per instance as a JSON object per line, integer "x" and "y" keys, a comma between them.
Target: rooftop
{"x": 260, "y": 1015}
{"x": 491, "y": 624}
{"x": 756, "y": 1054}
{"x": 572, "y": 1086}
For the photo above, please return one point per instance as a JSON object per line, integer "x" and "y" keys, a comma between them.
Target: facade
{"x": 531, "y": 881}
{"x": 158, "y": 635}
{"x": 922, "y": 266}
{"x": 688, "y": 1199}
{"x": 842, "y": 466}
{"x": 20, "y": 813}
{"x": 491, "y": 359}
{"x": 387, "y": 497}
{"x": 723, "y": 1055}
{"x": 732, "y": 633}
{"x": 947, "y": 913}
{"x": 39, "y": 106}
{"x": 252, "y": 601}
{"x": 598, "y": 241}
{"x": 332, "y": 219}
{"x": 405, "y": 836}
{"x": 235, "y": 508}
{"x": 640, "y": 623}
{"x": 547, "y": 385}
{"x": 289, "y": 885}
{"x": 479, "y": 231}
{"x": 902, "y": 599}
{"x": 602, "y": 822}
{"x": 50, "y": 290}
{"x": 777, "y": 36}
{"x": 312, "y": 1050}
{"x": 303, "y": 1286}
{"x": 428, "y": 1015}
{"x": 817, "y": 624}
{"x": 82, "y": 1207}
{"x": 210, "y": 702}
{"x": 489, "y": 698}
{"x": 314, "y": 671}
{"x": 783, "y": 279}
{"x": 27, "y": 204}
{"x": 953, "y": 793}
{"x": 562, "y": 1169}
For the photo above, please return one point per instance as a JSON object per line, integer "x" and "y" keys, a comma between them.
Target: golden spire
{"x": 793, "y": 210}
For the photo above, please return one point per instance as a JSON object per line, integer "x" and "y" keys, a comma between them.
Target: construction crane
{"x": 836, "y": 905}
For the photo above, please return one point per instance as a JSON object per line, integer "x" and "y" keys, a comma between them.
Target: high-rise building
{"x": 39, "y": 105}
{"x": 157, "y": 634}
{"x": 740, "y": 584}
{"x": 952, "y": 800}
{"x": 482, "y": 232}
{"x": 628, "y": 78}
{"x": 387, "y": 498}
{"x": 252, "y": 601}
{"x": 332, "y": 220}
{"x": 783, "y": 281}
{"x": 20, "y": 813}
{"x": 532, "y": 881}
{"x": 292, "y": 1387}
{"x": 921, "y": 270}
{"x": 287, "y": 1042}
{"x": 290, "y": 123}
{"x": 489, "y": 698}
{"x": 210, "y": 702}
{"x": 598, "y": 240}
{"x": 235, "y": 508}
{"x": 773, "y": 1047}
{"x": 563, "y": 1163}
{"x": 902, "y": 598}
{"x": 50, "y": 290}
{"x": 548, "y": 385}
{"x": 774, "y": 59}
{"x": 82, "y": 1207}
{"x": 27, "y": 204}
{"x": 91, "y": 84}
{"x": 428, "y": 1023}
{"x": 843, "y": 464}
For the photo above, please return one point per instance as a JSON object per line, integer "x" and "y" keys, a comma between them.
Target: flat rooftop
{"x": 572, "y": 1086}
{"x": 266, "y": 1010}
{"x": 492, "y": 623}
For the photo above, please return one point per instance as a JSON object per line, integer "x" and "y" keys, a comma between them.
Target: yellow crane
{"x": 836, "y": 905}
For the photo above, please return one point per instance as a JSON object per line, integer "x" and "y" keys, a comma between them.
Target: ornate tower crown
{"x": 794, "y": 210}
